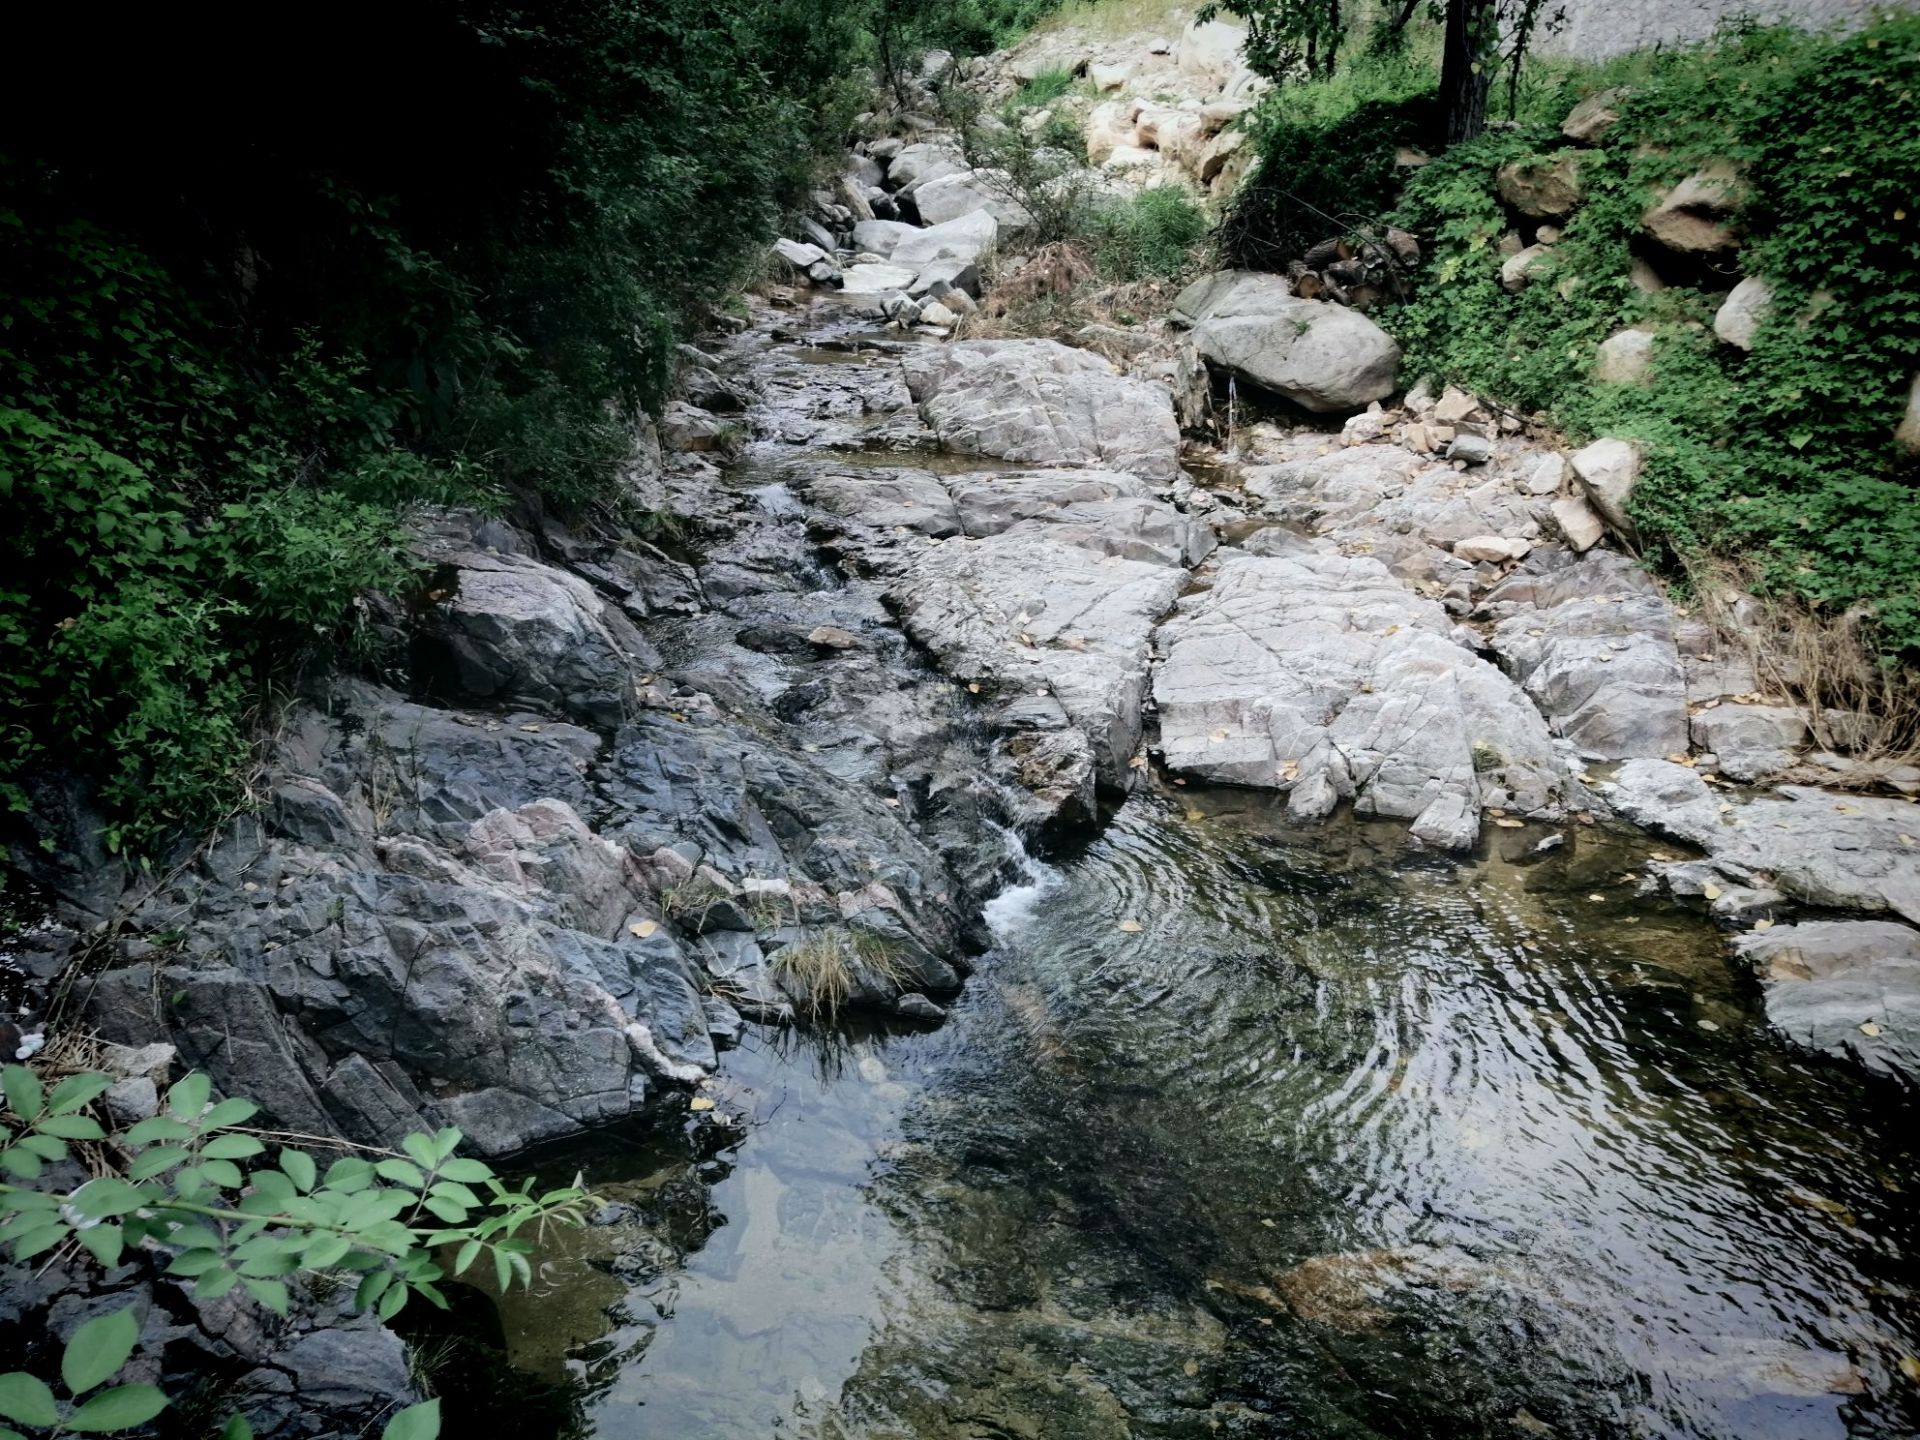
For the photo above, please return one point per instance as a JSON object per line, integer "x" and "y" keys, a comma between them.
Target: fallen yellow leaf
{"x": 1712, "y": 892}
{"x": 644, "y": 928}
{"x": 1510, "y": 824}
{"x": 1131, "y": 927}
{"x": 1910, "y": 1367}
{"x": 1763, "y": 924}
{"x": 1869, "y": 1029}
{"x": 700, "y": 1102}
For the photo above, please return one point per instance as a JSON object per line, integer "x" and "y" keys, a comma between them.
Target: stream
{"x": 1344, "y": 1141}
{"x": 1244, "y": 1129}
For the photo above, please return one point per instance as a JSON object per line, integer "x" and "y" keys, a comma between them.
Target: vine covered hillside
{"x": 1781, "y": 451}
{"x": 1768, "y": 414}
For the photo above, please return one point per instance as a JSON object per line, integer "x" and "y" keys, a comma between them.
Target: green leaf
{"x": 450, "y": 1211}
{"x": 188, "y": 1098}
{"x": 223, "y": 1173}
{"x": 72, "y": 1127}
{"x": 75, "y": 1091}
{"x": 45, "y": 1238}
{"x": 231, "y": 1147}
{"x": 270, "y": 1293}
{"x": 471, "y": 1172}
{"x": 238, "y": 1427}
{"x": 157, "y": 1127}
{"x": 271, "y": 1186}
{"x": 349, "y": 1175}
{"x": 106, "y": 1197}
{"x": 503, "y": 1269}
{"x": 22, "y": 1164}
{"x": 468, "y": 1253}
{"x": 27, "y": 1400}
{"x": 391, "y": 1302}
{"x": 98, "y": 1349}
{"x": 371, "y": 1289}
{"x": 416, "y": 1422}
{"x": 445, "y": 1143}
{"x": 299, "y": 1168}
{"x": 229, "y": 1112}
{"x": 121, "y": 1409}
{"x": 194, "y": 1262}
{"x": 105, "y": 1242}
{"x": 44, "y": 1147}
{"x": 400, "y": 1172}
{"x": 215, "y": 1283}
{"x": 421, "y": 1149}
{"x": 323, "y": 1252}
{"x": 157, "y": 1161}
{"x": 25, "y": 1097}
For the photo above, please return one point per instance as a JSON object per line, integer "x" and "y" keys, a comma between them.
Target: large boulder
{"x": 1738, "y": 319}
{"x": 968, "y": 238}
{"x": 1590, "y": 120}
{"x": 1542, "y": 188}
{"x": 1323, "y": 357}
{"x": 878, "y": 237}
{"x": 1608, "y": 470}
{"x": 1041, "y": 402}
{"x": 1846, "y": 988}
{"x": 1625, "y": 358}
{"x": 967, "y": 191}
{"x": 1319, "y": 675}
{"x": 923, "y": 161}
{"x": 1751, "y": 741}
{"x": 1697, "y": 216}
{"x": 510, "y": 628}
{"x": 1907, "y": 433}
{"x": 1843, "y": 852}
{"x": 1592, "y": 642}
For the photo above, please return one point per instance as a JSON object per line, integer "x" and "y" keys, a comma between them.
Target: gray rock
{"x": 1608, "y": 470}
{"x": 1907, "y": 433}
{"x": 1738, "y": 319}
{"x": 801, "y": 255}
{"x": 1697, "y": 216}
{"x": 517, "y": 630}
{"x": 133, "y": 1099}
{"x": 1578, "y": 522}
{"x": 923, "y": 161}
{"x": 1543, "y": 188}
{"x": 1850, "y": 989}
{"x": 1323, "y": 357}
{"x": 1751, "y": 741}
{"x": 1517, "y": 269}
{"x": 1039, "y": 401}
{"x": 1473, "y": 449}
{"x": 969, "y": 238}
{"x": 919, "y": 1007}
{"x": 868, "y": 279}
{"x": 1592, "y": 643}
{"x": 1321, "y": 676}
{"x": 939, "y": 276}
{"x": 967, "y": 192}
{"x": 1842, "y": 852}
{"x": 880, "y": 237}
{"x": 1625, "y": 358}
{"x": 1590, "y": 120}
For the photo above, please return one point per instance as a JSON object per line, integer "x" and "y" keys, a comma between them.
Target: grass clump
{"x": 828, "y": 969}
{"x": 1152, "y": 236}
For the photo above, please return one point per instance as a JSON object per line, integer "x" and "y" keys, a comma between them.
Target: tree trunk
{"x": 1465, "y": 68}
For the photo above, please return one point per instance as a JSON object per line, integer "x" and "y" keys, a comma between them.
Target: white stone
{"x": 1626, "y": 357}
{"x": 1739, "y": 316}
{"x": 1608, "y": 469}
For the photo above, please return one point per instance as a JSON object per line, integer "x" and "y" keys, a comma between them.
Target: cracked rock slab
{"x": 1323, "y": 677}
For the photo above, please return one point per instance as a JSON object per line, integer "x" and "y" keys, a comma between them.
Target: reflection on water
{"x": 1344, "y": 1140}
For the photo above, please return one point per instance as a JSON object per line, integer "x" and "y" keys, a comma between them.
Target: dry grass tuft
{"x": 825, "y": 972}
{"x": 1857, "y": 703}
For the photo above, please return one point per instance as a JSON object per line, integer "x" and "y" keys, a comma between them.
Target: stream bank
{"x": 628, "y": 804}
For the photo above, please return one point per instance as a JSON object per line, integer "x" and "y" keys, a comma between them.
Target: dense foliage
{"x": 171, "y": 1192}
{"x": 267, "y": 286}
{"x": 1783, "y": 457}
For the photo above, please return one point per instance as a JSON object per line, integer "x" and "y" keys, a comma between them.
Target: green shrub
{"x": 1782, "y": 457}
{"x": 1043, "y": 89}
{"x": 1151, "y": 236}
{"x": 172, "y": 1187}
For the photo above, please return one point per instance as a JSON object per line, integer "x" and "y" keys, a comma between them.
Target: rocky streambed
{"x": 1407, "y": 1083}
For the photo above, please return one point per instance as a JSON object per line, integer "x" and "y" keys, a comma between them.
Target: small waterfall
{"x": 1014, "y": 908}
{"x": 1232, "y": 454}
